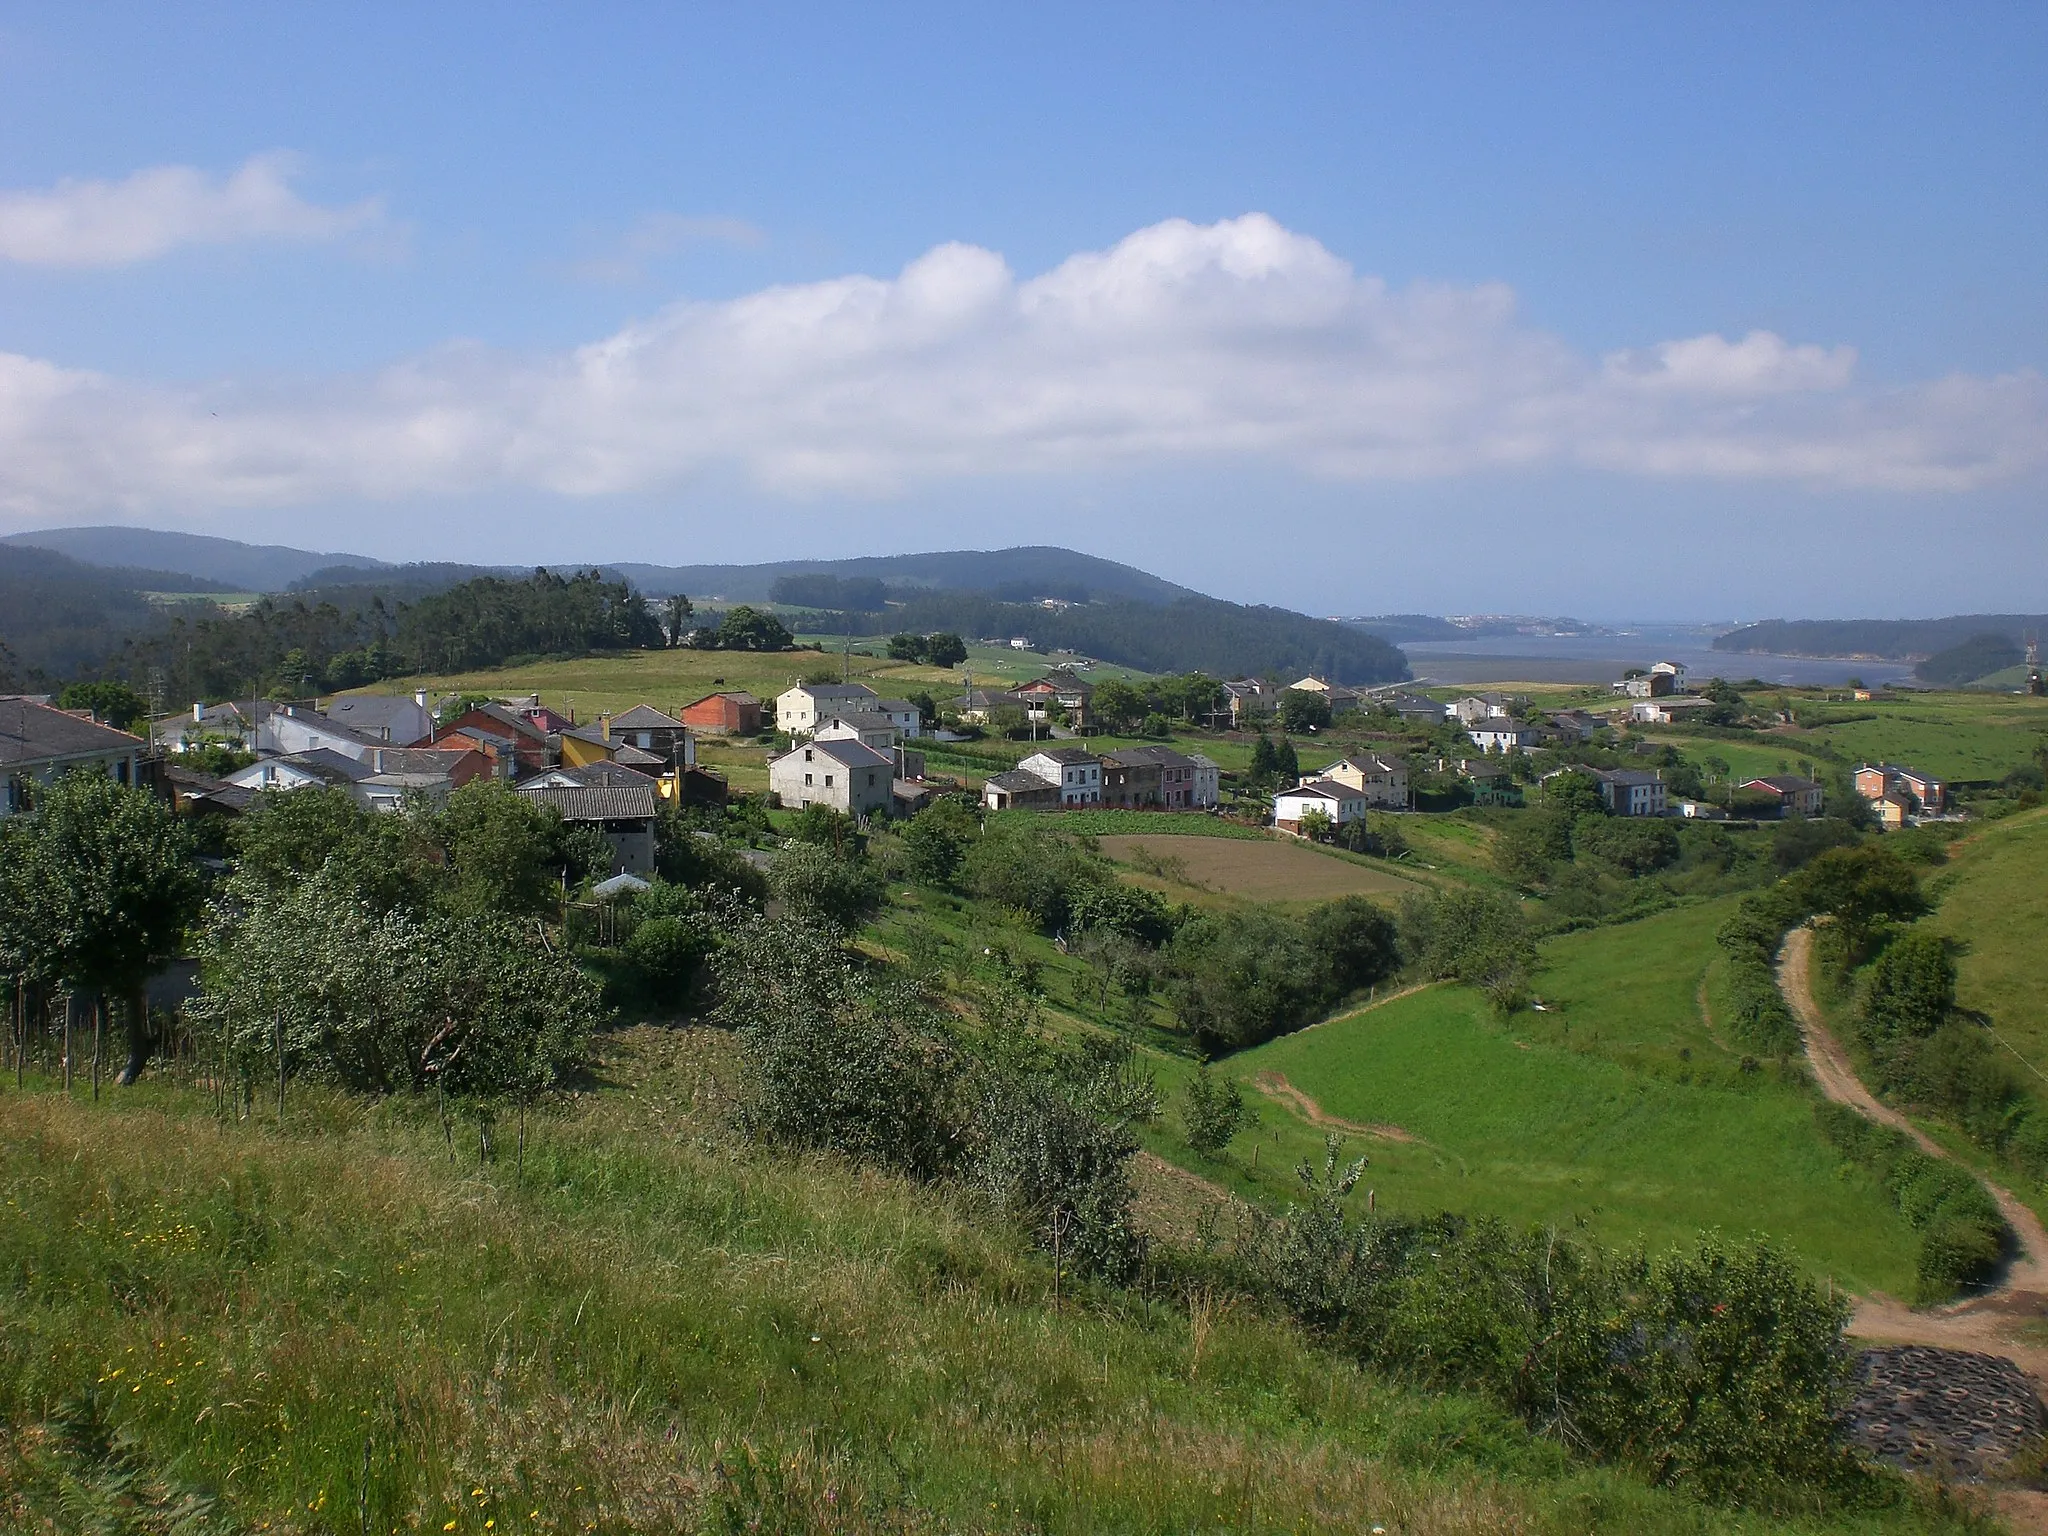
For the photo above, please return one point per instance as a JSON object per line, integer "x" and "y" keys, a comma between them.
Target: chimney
{"x": 198, "y": 712}
{"x": 420, "y": 697}
{"x": 604, "y": 723}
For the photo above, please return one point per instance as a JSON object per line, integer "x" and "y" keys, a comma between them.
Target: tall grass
{"x": 341, "y": 1324}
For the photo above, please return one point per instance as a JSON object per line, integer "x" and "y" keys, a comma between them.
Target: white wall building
{"x": 842, "y": 774}
{"x": 1078, "y": 773}
{"x": 1340, "y": 802}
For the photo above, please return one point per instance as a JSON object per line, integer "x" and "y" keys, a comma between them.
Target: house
{"x": 649, "y": 730}
{"x": 584, "y": 745}
{"x": 1019, "y": 790}
{"x": 394, "y": 719}
{"x": 978, "y": 706}
{"x": 1478, "y": 708}
{"x": 1575, "y": 724}
{"x": 1480, "y": 770}
{"x": 1247, "y": 699}
{"x": 38, "y": 743}
{"x": 1700, "y": 810}
{"x": 1383, "y": 780}
{"x": 1059, "y": 689}
{"x": 1208, "y": 782}
{"x": 1078, "y": 773}
{"x": 800, "y": 710}
{"x": 1646, "y": 685}
{"x": 319, "y": 768}
{"x": 1340, "y": 700}
{"x": 290, "y": 730}
{"x": 623, "y": 813}
{"x": 522, "y": 744}
{"x": 230, "y": 722}
{"x": 1340, "y": 802}
{"x": 866, "y": 726}
{"x": 591, "y": 776}
{"x": 1409, "y": 706}
{"x": 1674, "y": 670}
{"x": 1670, "y": 711}
{"x": 844, "y": 775}
{"x": 1927, "y": 794}
{"x": 1632, "y": 791}
{"x": 909, "y": 796}
{"x": 1795, "y": 796}
{"x": 1141, "y": 777}
{"x": 1893, "y": 811}
{"x": 1502, "y": 736}
{"x": 731, "y": 712}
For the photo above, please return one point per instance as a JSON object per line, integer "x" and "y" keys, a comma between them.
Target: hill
{"x": 1873, "y": 639}
{"x": 60, "y": 618}
{"x": 1024, "y": 574}
{"x": 237, "y": 566}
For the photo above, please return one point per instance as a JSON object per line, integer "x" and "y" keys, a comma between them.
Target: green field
{"x": 1616, "y": 1109}
{"x": 1994, "y": 903}
{"x": 345, "y": 1326}
{"x": 1957, "y": 735}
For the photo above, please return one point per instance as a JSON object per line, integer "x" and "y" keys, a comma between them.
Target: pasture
{"x": 1957, "y": 735}
{"x": 1268, "y": 869}
{"x": 1617, "y": 1109}
{"x": 1994, "y": 903}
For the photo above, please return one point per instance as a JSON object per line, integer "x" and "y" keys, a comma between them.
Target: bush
{"x": 815, "y": 885}
{"x": 1211, "y": 1111}
{"x": 1033, "y": 869}
{"x": 1059, "y": 1170}
{"x": 1469, "y": 936}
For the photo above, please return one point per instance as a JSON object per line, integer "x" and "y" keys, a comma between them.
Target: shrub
{"x": 1211, "y": 1111}
{"x": 1469, "y": 936}
{"x": 1059, "y": 1170}
{"x": 816, "y": 885}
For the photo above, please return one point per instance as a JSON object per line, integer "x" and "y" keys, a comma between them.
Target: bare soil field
{"x": 1257, "y": 871}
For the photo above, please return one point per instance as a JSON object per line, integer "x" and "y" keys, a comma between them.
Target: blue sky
{"x": 1684, "y": 311}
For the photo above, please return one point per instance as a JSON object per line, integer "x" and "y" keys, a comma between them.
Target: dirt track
{"x": 1274, "y": 1085}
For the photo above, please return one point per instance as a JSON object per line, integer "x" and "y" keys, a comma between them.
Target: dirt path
{"x": 1836, "y": 1074}
{"x": 1274, "y": 1085}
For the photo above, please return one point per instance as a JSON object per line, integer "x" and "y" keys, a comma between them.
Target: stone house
{"x": 845, "y": 775}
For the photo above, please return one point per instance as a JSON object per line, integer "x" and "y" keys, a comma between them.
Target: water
{"x": 1603, "y": 658}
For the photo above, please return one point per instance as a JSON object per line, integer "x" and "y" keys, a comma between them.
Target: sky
{"x": 1680, "y": 311}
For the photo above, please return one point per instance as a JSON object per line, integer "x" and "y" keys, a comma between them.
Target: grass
{"x": 1958, "y": 735}
{"x": 1617, "y": 1109}
{"x": 339, "y": 1326}
{"x": 1112, "y": 822}
{"x": 1994, "y": 903}
{"x": 1267, "y": 870}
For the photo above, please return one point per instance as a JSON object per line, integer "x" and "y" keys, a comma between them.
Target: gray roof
{"x": 1018, "y": 781}
{"x": 645, "y": 717}
{"x": 850, "y": 754}
{"x": 894, "y": 706}
{"x": 1783, "y": 783}
{"x": 619, "y": 885}
{"x": 326, "y": 763}
{"x": 33, "y": 733}
{"x": 1329, "y": 789}
{"x": 633, "y": 757}
{"x": 836, "y": 690}
{"x": 1076, "y": 755}
{"x": 372, "y": 711}
{"x": 859, "y": 719}
{"x": 611, "y": 803}
{"x": 1626, "y": 778}
{"x": 434, "y": 761}
{"x": 604, "y": 776}
{"x": 1132, "y": 757}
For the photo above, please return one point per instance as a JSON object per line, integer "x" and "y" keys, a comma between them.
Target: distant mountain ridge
{"x": 238, "y": 567}
{"x": 1874, "y": 639}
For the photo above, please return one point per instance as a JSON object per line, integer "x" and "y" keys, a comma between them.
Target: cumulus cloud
{"x": 1232, "y": 343}
{"x": 155, "y": 211}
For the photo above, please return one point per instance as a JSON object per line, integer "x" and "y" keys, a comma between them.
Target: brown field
{"x": 1255, "y": 871}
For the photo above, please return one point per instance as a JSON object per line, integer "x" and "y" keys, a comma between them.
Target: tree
{"x": 945, "y": 649}
{"x": 1574, "y": 794}
{"x": 1211, "y": 1111}
{"x": 96, "y": 892}
{"x": 1469, "y": 936}
{"x": 936, "y": 841}
{"x": 908, "y": 648}
{"x": 1265, "y": 764}
{"x": 1317, "y": 826}
{"x": 677, "y": 611}
{"x": 748, "y": 629}
{"x": 1301, "y": 709}
{"x": 1861, "y": 887}
{"x": 1117, "y": 705}
{"x": 1285, "y": 762}
{"x": 815, "y": 885}
{"x": 1912, "y": 988}
{"x": 114, "y": 704}
{"x": 509, "y": 855}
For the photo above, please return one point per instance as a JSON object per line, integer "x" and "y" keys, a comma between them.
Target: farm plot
{"x": 1267, "y": 870}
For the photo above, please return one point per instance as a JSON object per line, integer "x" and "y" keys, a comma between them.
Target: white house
{"x": 1208, "y": 782}
{"x": 845, "y": 775}
{"x": 1383, "y": 780}
{"x": 1475, "y": 709}
{"x": 393, "y": 719}
{"x": 289, "y": 730}
{"x": 1668, "y": 710}
{"x": 1675, "y": 670}
{"x": 866, "y": 726}
{"x": 37, "y": 743}
{"x": 800, "y": 710}
{"x": 1501, "y": 736}
{"x": 1340, "y": 802}
{"x": 303, "y": 770}
{"x": 1078, "y": 773}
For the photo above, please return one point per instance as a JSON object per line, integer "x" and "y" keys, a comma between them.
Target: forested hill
{"x": 1019, "y": 575}
{"x": 1877, "y": 639}
{"x": 236, "y": 566}
{"x": 60, "y": 619}
{"x": 1193, "y": 634}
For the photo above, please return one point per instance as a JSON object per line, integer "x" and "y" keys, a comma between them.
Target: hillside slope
{"x": 1027, "y": 573}
{"x": 348, "y": 1327}
{"x": 1876, "y": 639}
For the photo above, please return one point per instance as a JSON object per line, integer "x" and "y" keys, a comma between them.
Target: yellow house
{"x": 582, "y": 748}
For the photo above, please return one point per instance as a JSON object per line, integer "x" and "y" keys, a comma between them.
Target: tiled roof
{"x": 1070, "y": 755}
{"x": 610, "y": 803}
{"x": 1784, "y": 783}
{"x": 850, "y": 754}
{"x": 1017, "y": 781}
{"x": 644, "y": 717}
{"x": 1132, "y": 757}
{"x": 31, "y": 733}
{"x": 1327, "y": 789}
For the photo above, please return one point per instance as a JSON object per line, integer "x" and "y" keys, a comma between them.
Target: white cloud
{"x": 1229, "y": 344}
{"x": 155, "y": 211}
{"x": 657, "y": 235}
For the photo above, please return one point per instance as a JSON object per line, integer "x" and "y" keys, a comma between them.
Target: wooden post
{"x": 67, "y": 1044}
{"x": 99, "y": 1015}
{"x": 277, "y": 1030}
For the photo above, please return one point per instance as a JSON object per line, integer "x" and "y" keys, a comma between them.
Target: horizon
{"x": 1743, "y": 305}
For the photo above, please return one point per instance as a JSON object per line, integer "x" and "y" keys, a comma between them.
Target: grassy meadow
{"x": 1617, "y": 1108}
{"x": 1265, "y": 870}
{"x": 1993, "y": 901}
{"x": 341, "y": 1325}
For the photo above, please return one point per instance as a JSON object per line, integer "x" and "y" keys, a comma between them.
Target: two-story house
{"x": 845, "y": 775}
{"x": 1632, "y": 791}
{"x": 38, "y": 743}
{"x": 1795, "y": 796}
{"x": 1923, "y": 793}
{"x": 1077, "y": 772}
{"x": 1383, "y": 780}
{"x": 1340, "y": 802}
{"x": 1139, "y": 778}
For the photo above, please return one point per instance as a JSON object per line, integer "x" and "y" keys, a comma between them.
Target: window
{"x": 807, "y": 781}
{"x": 828, "y": 781}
